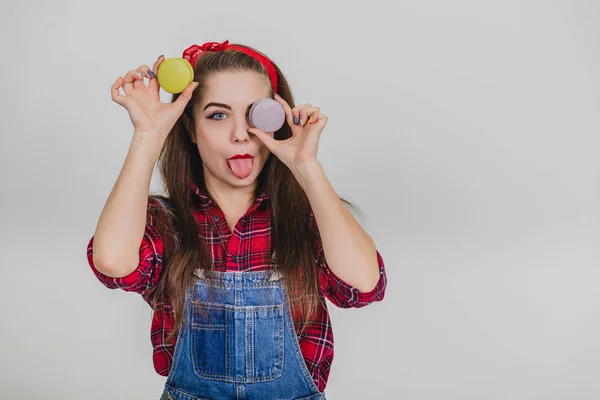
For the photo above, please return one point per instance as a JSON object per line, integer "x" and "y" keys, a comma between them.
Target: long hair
{"x": 292, "y": 234}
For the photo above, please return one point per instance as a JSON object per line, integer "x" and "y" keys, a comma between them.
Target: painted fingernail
{"x": 301, "y": 121}
{"x": 308, "y": 122}
{"x": 119, "y": 78}
{"x": 162, "y": 55}
{"x": 140, "y": 73}
{"x": 151, "y": 74}
{"x": 295, "y": 120}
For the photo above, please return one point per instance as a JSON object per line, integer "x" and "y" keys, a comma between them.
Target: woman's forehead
{"x": 235, "y": 88}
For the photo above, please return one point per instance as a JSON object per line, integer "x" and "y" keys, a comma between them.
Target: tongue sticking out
{"x": 241, "y": 167}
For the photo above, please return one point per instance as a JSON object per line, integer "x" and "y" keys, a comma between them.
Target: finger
{"x": 286, "y": 108}
{"x": 185, "y": 96}
{"x": 116, "y": 95}
{"x": 154, "y": 84}
{"x": 128, "y": 80}
{"x": 264, "y": 137}
{"x": 142, "y": 72}
{"x": 312, "y": 114}
{"x": 139, "y": 80}
{"x": 319, "y": 125}
{"x": 322, "y": 119}
{"x": 296, "y": 112}
{"x": 303, "y": 117}
{"x": 143, "y": 69}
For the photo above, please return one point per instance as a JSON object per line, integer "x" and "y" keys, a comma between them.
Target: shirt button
{"x": 234, "y": 258}
{"x": 216, "y": 218}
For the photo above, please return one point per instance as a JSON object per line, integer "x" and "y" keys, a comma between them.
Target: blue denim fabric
{"x": 244, "y": 345}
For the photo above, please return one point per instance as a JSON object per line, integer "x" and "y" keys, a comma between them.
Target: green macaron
{"x": 175, "y": 74}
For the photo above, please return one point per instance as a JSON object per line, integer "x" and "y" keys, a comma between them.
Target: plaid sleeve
{"x": 344, "y": 295}
{"x": 148, "y": 271}
{"x": 340, "y": 293}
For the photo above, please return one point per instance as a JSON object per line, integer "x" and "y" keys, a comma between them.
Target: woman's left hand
{"x": 302, "y": 147}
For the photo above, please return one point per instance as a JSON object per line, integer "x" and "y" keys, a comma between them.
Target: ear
{"x": 189, "y": 126}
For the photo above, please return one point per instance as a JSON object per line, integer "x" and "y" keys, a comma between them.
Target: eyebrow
{"x": 223, "y": 105}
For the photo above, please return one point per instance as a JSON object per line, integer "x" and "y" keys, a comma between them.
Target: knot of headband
{"x": 192, "y": 53}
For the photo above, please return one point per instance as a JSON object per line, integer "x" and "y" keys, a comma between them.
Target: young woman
{"x": 237, "y": 260}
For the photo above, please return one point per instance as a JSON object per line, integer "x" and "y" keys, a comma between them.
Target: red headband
{"x": 192, "y": 53}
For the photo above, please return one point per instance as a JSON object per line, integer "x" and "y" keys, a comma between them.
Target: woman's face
{"x": 221, "y": 121}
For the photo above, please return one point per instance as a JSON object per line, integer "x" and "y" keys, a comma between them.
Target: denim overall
{"x": 244, "y": 345}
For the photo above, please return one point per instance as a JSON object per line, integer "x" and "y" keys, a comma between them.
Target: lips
{"x": 238, "y": 156}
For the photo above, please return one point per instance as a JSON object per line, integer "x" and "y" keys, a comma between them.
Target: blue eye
{"x": 213, "y": 116}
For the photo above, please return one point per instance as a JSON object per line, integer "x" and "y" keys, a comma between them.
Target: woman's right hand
{"x": 143, "y": 104}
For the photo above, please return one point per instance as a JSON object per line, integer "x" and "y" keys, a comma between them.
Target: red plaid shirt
{"x": 248, "y": 249}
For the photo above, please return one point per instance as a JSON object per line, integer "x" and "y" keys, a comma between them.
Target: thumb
{"x": 186, "y": 95}
{"x": 270, "y": 142}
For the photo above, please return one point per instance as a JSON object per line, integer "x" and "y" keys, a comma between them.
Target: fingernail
{"x": 308, "y": 122}
{"x": 295, "y": 120}
{"x": 119, "y": 78}
{"x": 151, "y": 74}
{"x": 162, "y": 55}
{"x": 276, "y": 95}
{"x": 301, "y": 121}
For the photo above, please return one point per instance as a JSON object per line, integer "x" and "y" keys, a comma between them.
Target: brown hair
{"x": 293, "y": 236}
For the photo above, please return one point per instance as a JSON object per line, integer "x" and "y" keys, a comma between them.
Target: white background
{"x": 466, "y": 131}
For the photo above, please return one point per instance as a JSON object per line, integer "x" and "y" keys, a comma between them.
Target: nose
{"x": 240, "y": 130}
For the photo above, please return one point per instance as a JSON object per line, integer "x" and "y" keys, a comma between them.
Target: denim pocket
{"x": 210, "y": 340}
{"x": 266, "y": 348}
{"x": 237, "y": 343}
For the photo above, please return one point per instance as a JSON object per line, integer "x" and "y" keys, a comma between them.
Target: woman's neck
{"x": 234, "y": 202}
